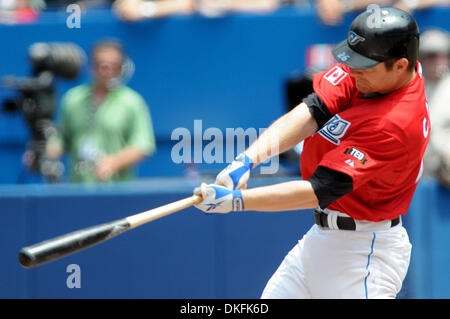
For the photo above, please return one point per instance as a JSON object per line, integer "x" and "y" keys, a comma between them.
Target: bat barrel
{"x": 67, "y": 244}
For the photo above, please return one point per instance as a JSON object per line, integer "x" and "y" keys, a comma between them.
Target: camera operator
{"x": 36, "y": 100}
{"x": 104, "y": 126}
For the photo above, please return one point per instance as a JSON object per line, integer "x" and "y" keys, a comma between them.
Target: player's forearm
{"x": 291, "y": 195}
{"x": 283, "y": 134}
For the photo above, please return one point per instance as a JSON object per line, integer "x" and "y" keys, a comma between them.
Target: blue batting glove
{"x": 237, "y": 173}
{"x": 219, "y": 199}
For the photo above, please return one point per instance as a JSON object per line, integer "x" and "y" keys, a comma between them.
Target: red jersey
{"x": 378, "y": 141}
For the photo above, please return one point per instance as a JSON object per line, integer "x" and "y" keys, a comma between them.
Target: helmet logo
{"x": 354, "y": 39}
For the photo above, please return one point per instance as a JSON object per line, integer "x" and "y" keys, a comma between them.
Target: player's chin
{"x": 364, "y": 88}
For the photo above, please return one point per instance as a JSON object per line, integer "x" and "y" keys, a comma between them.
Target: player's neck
{"x": 403, "y": 81}
{"x": 406, "y": 79}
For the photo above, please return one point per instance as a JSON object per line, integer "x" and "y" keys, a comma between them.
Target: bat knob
{"x": 26, "y": 259}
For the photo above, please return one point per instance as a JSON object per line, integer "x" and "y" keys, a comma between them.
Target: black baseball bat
{"x": 61, "y": 246}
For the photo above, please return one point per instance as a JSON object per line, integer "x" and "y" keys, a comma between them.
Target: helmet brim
{"x": 344, "y": 54}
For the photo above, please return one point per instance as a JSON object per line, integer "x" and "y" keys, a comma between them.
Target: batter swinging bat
{"x": 67, "y": 244}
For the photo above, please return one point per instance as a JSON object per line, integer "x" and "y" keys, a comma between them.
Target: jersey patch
{"x": 334, "y": 129}
{"x": 335, "y": 75}
{"x": 361, "y": 156}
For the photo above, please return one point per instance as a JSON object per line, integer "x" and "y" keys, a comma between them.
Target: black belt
{"x": 344, "y": 223}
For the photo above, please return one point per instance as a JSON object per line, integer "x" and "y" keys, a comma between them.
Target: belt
{"x": 344, "y": 223}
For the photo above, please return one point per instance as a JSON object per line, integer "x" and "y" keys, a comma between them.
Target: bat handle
{"x": 147, "y": 216}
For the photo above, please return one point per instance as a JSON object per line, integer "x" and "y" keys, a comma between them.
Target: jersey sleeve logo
{"x": 359, "y": 155}
{"x": 334, "y": 129}
{"x": 335, "y": 75}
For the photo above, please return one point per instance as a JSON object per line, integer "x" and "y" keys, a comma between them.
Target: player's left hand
{"x": 219, "y": 199}
{"x": 236, "y": 174}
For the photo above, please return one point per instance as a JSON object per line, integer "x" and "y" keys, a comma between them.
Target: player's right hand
{"x": 218, "y": 199}
{"x": 236, "y": 174}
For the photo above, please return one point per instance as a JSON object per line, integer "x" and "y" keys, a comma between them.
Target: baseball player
{"x": 365, "y": 130}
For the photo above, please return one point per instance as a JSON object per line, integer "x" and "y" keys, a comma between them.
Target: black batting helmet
{"x": 378, "y": 35}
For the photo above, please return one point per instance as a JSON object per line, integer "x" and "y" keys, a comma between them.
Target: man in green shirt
{"x": 105, "y": 127}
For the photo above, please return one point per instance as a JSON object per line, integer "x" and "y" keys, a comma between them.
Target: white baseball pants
{"x": 332, "y": 264}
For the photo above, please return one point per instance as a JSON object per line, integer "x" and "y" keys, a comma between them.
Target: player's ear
{"x": 401, "y": 64}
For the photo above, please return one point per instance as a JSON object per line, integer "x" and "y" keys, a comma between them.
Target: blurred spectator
{"x": 318, "y": 58}
{"x": 135, "y": 10}
{"x": 214, "y": 8}
{"x": 20, "y": 11}
{"x": 331, "y": 12}
{"x": 104, "y": 126}
{"x": 434, "y": 53}
{"x": 411, "y": 5}
{"x": 299, "y": 85}
{"x": 440, "y": 132}
{"x": 434, "y": 50}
